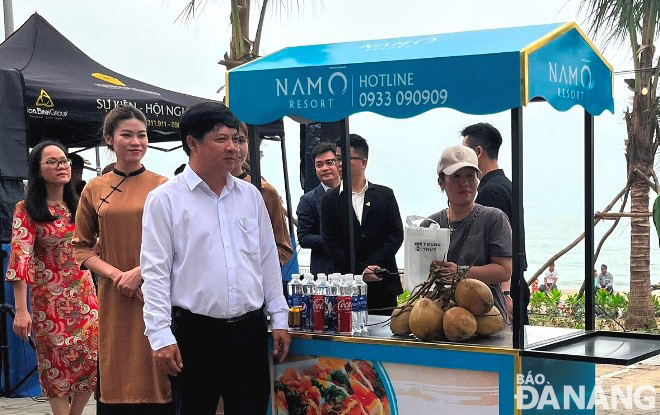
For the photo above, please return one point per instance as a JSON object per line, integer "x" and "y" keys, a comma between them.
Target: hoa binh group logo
{"x": 534, "y": 392}
{"x": 44, "y": 107}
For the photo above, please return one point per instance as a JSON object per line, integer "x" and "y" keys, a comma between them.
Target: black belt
{"x": 178, "y": 312}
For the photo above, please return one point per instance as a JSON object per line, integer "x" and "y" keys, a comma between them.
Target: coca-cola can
{"x": 318, "y": 313}
{"x": 344, "y": 315}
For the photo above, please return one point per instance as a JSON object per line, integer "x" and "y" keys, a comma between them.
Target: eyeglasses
{"x": 329, "y": 163}
{"x": 338, "y": 160}
{"x": 55, "y": 164}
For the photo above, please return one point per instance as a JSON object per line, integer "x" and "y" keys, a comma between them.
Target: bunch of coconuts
{"x": 449, "y": 305}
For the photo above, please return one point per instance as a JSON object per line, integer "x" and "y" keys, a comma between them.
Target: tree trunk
{"x": 639, "y": 155}
{"x": 640, "y": 310}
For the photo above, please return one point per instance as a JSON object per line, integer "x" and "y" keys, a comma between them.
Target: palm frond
{"x": 192, "y": 8}
{"x": 612, "y": 20}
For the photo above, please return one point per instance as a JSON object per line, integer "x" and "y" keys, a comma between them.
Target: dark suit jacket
{"x": 309, "y": 230}
{"x": 377, "y": 240}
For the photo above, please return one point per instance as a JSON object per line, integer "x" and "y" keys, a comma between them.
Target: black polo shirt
{"x": 495, "y": 190}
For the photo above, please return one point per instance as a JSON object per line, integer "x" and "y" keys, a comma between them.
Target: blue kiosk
{"x": 478, "y": 72}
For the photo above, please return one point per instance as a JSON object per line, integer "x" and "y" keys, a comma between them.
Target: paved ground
{"x": 643, "y": 373}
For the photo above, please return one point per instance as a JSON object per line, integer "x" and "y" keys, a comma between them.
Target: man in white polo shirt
{"x": 210, "y": 267}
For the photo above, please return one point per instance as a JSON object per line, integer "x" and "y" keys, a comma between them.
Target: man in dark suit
{"x": 378, "y": 231}
{"x": 309, "y": 207}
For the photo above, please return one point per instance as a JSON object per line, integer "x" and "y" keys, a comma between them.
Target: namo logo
{"x": 571, "y": 80}
{"x": 312, "y": 92}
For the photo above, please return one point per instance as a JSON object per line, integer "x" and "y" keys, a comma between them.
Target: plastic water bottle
{"x": 308, "y": 288}
{"x": 295, "y": 291}
{"x": 356, "y": 307}
{"x": 331, "y": 304}
{"x": 344, "y": 305}
{"x": 361, "y": 288}
{"x": 319, "y": 314}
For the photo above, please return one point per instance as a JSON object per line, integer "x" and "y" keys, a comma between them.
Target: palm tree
{"x": 636, "y": 22}
{"x": 241, "y": 48}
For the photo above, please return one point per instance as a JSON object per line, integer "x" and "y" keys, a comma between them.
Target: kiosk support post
{"x": 347, "y": 196}
{"x": 287, "y": 189}
{"x": 517, "y": 276}
{"x": 255, "y": 159}
{"x": 589, "y": 301}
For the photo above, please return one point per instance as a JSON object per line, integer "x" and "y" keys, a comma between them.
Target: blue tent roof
{"x": 477, "y": 72}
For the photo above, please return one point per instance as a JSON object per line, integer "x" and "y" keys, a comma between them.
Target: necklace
{"x": 451, "y": 230}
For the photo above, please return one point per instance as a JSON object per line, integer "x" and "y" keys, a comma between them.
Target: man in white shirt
{"x": 550, "y": 279}
{"x": 210, "y": 267}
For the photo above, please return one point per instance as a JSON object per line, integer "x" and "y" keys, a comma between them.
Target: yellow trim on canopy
{"x": 539, "y": 43}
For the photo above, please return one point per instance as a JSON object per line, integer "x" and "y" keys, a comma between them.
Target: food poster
{"x": 311, "y": 385}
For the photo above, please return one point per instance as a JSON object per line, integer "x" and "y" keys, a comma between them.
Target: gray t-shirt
{"x": 488, "y": 236}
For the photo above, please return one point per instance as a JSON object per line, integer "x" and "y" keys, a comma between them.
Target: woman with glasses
{"x": 110, "y": 211}
{"x": 64, "y": 313}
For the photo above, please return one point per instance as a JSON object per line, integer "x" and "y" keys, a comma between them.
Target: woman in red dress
{"x": 64, "y": 311}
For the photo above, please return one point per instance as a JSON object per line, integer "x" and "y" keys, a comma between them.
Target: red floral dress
{"x": 64, "y": 305}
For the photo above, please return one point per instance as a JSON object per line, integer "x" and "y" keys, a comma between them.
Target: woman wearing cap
{"x": 480, "y": 240}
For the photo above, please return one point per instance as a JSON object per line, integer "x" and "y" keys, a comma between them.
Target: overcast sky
{"x": 141, "y": 39}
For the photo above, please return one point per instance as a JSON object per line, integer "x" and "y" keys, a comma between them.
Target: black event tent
{"x": 66, "y": 93}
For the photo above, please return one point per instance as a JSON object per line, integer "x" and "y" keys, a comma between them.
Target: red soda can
{"x": 318, "y": 313}
{"x": 344, "y": 315}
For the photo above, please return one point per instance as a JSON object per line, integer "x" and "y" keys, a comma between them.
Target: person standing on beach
{"x": 309, "y": 207}
{"x": 495, "y": 190}
{"x": 210, "y": 269}
{"x": 605, "y": 279}
{"x": 378, "y": 230}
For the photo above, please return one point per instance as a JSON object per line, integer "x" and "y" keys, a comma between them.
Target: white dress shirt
{"x": 358, "y": 199}
{"x": 214, "y": 256}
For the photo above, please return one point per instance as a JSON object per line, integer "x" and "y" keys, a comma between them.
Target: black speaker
{"x": 310, "y": 135}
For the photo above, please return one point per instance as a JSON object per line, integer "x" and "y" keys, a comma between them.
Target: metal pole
{"x": 589, "y": 302}
{"x": 255, "y": 159}
{"x": 98, "y": 160}
{"x": 8, "y": 11}
{"x": 287, "y": 189}
{"x": 347, "y": 196}
{"x": 517, "y": 225}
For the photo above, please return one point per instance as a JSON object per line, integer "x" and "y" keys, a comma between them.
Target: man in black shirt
{"x": 495, "y": 188}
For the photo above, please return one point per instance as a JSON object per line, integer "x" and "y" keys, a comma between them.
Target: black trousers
{"x": 221, "y": 358}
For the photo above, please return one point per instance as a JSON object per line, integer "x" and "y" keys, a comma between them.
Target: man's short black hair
{"x": 323, "y": 147}
{"x": 202, "y": 118}
{"x": 359, "y": 144}
{"x": 77, "y": 162}
{"x": 485, "y": 136}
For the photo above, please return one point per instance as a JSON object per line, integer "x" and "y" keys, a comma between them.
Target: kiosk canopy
{"x": 477, "y": 72}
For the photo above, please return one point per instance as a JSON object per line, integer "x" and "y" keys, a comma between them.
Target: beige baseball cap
{"x": 456, "y": 157}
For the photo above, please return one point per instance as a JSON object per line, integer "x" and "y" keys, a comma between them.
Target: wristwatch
{"x": 507, "y": 293}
